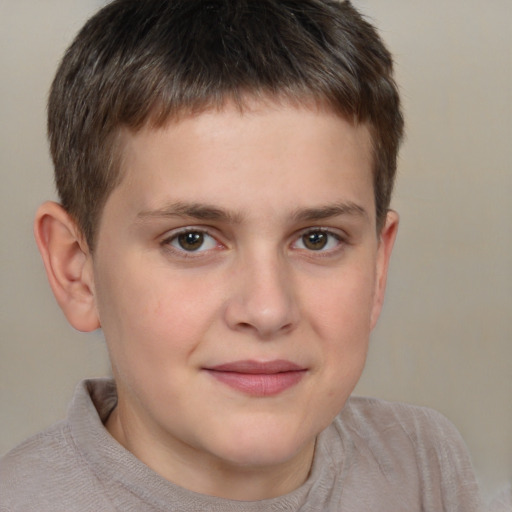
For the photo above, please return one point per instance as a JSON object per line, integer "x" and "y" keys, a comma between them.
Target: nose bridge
{"x": 264, "y": 297}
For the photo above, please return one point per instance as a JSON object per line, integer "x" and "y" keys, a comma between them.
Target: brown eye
{"x": 191, "y": 241}
{"x": 315, "y": 240}
{"x": 319, "y": 240}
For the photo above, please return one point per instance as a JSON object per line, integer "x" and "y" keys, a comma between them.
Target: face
{"x": 238, "y": 274}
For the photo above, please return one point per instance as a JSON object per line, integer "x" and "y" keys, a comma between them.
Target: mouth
{"x": 257, "y": 378}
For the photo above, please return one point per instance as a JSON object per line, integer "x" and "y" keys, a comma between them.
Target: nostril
{"x": 264, "y": 332}
{"x": 261, "y": 303}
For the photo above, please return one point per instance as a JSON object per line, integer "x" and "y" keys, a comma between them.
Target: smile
{"x": 258, "y": 379}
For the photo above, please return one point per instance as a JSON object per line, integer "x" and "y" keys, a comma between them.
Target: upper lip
{"x": 258, "y": 367}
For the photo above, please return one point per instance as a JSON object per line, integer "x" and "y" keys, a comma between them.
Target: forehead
{"x": 277, "y": 154}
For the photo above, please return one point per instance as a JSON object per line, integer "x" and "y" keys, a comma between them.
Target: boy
{"x": 225, "y": 170}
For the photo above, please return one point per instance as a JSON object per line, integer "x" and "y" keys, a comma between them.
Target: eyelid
{"x": 339, "y": 235}
{"x": 173, "y": 234}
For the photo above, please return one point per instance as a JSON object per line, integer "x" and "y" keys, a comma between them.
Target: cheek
{"x": 341, "y": 318}
{"x": 153, "y": 316}
{"x": 342, "y": 304}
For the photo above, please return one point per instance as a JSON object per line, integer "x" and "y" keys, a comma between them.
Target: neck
{"x": 187, "y": 467}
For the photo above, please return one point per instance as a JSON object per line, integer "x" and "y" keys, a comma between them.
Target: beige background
{"x": 445, "y": 339}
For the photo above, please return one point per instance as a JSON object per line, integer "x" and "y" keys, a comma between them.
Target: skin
{"x": 257, "y": 186}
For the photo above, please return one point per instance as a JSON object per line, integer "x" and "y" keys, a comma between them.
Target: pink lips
{"x": 257, "y": 378}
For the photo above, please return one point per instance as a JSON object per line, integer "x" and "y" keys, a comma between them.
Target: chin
{"x": 266, "y": 447}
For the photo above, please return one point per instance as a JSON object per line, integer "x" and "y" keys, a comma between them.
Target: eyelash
{"x": 183, "y": 253}
{"x": 340, "y": 240}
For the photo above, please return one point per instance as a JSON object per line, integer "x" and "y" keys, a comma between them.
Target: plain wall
{"x": 445, "y": 337}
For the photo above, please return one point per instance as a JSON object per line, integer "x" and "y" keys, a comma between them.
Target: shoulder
{"x": 413, "y": 446}
{"x": 51, "y": 467}
{"x": 419, "y": 431}
{"x": 416, "y": 423}
{"x": 38, "y": 451}
{"x": 33, "y": 468}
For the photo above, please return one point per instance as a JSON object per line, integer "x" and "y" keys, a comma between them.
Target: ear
{"x": 386, "y": 241}
{"x": 68, "y": 264}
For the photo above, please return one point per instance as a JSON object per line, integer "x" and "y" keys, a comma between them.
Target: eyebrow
{"x": 331, "y": 210}
{"x": 207, "y": 212}
{"x": 197, "y": 211}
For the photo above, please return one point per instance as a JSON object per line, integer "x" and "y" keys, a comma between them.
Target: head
{"x": 143, "y": 62}
{"x": 225, "y": 168}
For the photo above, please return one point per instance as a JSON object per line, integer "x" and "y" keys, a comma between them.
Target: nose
{"x": 263, "y": 299}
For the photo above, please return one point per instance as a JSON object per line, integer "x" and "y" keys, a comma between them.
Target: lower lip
{"x": 259, "y": 384}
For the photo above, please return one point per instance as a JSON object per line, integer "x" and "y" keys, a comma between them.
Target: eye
{"x": 318, "y": 240}
{"x": 192, "y": 241}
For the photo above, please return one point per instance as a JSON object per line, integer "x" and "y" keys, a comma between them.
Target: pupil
{"x": 315, "y": 241}
{"x": 191, "y": 241}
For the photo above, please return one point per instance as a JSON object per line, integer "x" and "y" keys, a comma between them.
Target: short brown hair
{"x": 144, "y": 61}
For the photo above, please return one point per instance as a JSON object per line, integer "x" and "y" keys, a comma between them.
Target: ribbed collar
{"x": 122, "y": 472}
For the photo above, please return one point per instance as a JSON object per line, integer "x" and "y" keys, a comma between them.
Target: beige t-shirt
{"x": 375, "y": 456}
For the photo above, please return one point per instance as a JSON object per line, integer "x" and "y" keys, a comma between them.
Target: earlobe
{"x": 68, "y": 265}
{"x": 386, "y": 242}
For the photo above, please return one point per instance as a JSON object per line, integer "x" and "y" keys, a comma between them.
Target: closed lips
{"x": 258, "y": 378}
